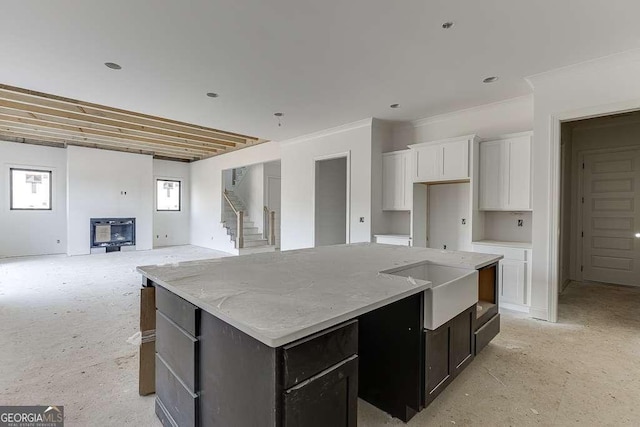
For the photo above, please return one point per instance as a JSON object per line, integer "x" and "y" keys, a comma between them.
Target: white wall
{"x": 33, "y": 232}
{"x": 486, "y": 121}
{"x": 96, "y": 182}
{"x": 448, "y": 205}
{"x": 597, "y": 87}
{"x": 298, "y": 166}
{"x": 171, "y": 228}
{"x": 206, "y": 192}
{"x": 251, "y": 191}
{"x": 503, "y": 226}
{"x": 331, "y": 202}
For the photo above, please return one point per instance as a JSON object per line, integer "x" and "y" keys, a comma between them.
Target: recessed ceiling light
{"x": 491, "y": 79}
{"x": 113, "y": 65}
{"x": 394, "y": 106}
{"x": 447, "y": 25}
{"x": 212, "y": 95}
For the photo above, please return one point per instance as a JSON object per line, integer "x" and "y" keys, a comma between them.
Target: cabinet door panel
{"x": 491, "y": 186}
{"x": 512, "y": 281}
{"x": 395, "y": 182}
{"x": 438, "y": 366}
{"x": 462, "y": 339}
{"x": 389, "y": 178}
{"x": 455, "y": 160}
{"x": 519, "y": 174}
{"x": 329, "y": 399}
{"x": 427, "y": 159}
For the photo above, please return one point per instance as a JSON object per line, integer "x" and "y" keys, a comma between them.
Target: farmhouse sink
{"x": 453, "y": 290}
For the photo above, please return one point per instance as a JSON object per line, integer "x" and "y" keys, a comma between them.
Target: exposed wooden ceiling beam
{"x": 13, "y": 105}
{"x": 83, "y": 131}
{"x": 163, "y": 124}
{"x": 69, "y": 139}
{"x": 39, "y": 118}
{"x": 55, "y": 122}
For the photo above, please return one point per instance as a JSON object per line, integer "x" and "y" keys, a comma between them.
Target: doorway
{"x": 600, "y": 201}
{"x": 331, "y": 225}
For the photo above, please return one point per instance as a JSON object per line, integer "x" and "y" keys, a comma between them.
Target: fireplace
{"x": 113, "y": 233}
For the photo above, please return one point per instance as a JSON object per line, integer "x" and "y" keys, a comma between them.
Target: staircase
{"x": 254, "y": 241}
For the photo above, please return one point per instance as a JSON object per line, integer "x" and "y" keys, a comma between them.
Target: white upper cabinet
{"x": 505, "y": 174}
{"x": 446, "y": 160}
{"x": 396, "y": 181}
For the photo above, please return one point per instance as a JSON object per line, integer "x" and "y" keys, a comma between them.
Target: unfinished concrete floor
{"x": 64, "y": 324}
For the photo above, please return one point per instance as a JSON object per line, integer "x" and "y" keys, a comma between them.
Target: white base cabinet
{"x": 514, "y": 275}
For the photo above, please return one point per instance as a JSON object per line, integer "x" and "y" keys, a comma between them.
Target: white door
{"x": 393, "y": 181}
{"x": 273, "y": 202}
{"x": 491, "y": 176}
{"x": 455, "y": 160}
{"x": 512, "y": 281}
{"x": 611, "y": 218}
{"x": 519, "y": 174}
{"x": 427, "y": 163}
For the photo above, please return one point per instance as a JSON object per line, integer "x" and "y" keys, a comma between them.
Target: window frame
{"x": 179, "y": 195}
{"x": 50, "y": 172}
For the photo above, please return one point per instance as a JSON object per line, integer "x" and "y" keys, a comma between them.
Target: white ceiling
{"x": 321, "y": 62}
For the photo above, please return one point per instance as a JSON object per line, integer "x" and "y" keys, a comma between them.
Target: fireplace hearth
{"x": 113, "y": 233}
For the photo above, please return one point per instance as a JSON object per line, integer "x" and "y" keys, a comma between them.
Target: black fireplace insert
{"x": 113, "y": 233}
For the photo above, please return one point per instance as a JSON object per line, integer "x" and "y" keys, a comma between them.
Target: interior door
{"x": 611, "y": 217}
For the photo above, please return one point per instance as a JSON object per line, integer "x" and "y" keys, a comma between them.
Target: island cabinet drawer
{"x": 175, "y": 405}
{"x": 487, "y": 332}
{"x": 178, "y": 349}
{"x": 309, "y": 356}
{"x": 180, "y": 311}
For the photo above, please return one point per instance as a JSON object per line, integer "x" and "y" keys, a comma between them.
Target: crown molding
{"x": 446, "y": 116}
{"x": 326, "y": 132}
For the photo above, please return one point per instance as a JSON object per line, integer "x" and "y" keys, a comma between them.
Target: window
{"x": 30, "y": 189}
{"x": 167, "y": 195}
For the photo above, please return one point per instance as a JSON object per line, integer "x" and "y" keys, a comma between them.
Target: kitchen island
{"x": 294, "y": 338}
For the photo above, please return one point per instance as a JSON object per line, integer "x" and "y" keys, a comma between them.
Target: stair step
{"x": 253, "y": 237}
{"x": 254, "y": 243}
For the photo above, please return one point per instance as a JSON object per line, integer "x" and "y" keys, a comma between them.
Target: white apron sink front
{"x": 453, "y": 290}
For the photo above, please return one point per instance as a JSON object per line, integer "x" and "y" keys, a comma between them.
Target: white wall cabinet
{"x": 505, "y": 174}
{"x": 397, "y": 183}
{"x": 514, "y": 275}
{"x": 446, "y": 160}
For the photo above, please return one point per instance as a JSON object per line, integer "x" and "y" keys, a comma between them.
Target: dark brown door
{"x": 328, "y": 399}
{"x": 438, "y": 366}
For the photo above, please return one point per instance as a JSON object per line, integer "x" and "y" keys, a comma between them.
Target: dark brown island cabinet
{"x": 209, "y": 373}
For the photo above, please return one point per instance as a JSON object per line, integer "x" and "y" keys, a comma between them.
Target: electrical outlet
{"x": 464, "y": 221}
{"x": 58, "y": 241}
{"x": 444, "y": 247}
{"x": 520, "y": 223}
{"x": 361, "y": 219}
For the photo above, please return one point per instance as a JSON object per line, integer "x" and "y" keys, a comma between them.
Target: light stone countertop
{"x": 280, "y": 297}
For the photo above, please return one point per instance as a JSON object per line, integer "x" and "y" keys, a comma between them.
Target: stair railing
{"x": 239, "y": 222}
{"x": 269, "y": 225}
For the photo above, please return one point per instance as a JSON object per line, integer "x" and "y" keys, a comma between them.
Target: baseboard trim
{"x": 539, "y": 313}
{"x": 515, "y": 307}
